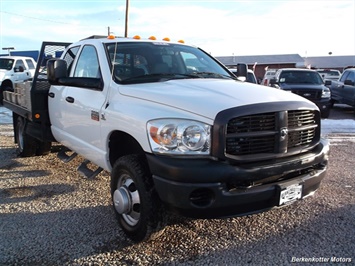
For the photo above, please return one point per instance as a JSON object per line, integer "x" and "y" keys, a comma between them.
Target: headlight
{"x": 178, "y": 136}
{"x": 326, "y": 93}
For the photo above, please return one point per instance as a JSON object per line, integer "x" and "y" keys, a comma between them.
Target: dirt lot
{"x": 50, "y": 215}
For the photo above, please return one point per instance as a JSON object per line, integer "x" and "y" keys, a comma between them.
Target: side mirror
{"x": 328, "y": 82}
{"x": 56, "y": 69}
{"x": 57, "y": 75}
{"x": 273, "y": 81}
{"x": 19, "y": 69}
{"x": 349, "y": 82}
{"x": 242, "y": 70}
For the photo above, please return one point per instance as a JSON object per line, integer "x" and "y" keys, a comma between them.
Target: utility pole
{"x": 9, "y": 49}
{"x": 126, "y": 20}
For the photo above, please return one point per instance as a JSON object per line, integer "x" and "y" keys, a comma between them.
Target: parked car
{"x": 343, "y": 91}
{"x": 307, "y": 83}
{"x": 14, "y": 69}
{"x": 329, "y": 74}
{"x": 269, "y": 74}
{"x": 250, "y": 76}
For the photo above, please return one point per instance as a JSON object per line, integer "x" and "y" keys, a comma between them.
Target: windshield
{"x": 6, "y": 63}
{"x": 152, "y": 62}
{"x": 300, "y": 77}
{"x": 334, "y": 73}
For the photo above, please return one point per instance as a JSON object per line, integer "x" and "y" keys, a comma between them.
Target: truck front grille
{"x": 271, "y": 134}
{"x": 309, "y": 94}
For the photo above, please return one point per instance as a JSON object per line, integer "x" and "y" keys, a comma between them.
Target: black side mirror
{"x": 57, "y": 75}
{"x": 349, "y": 82}
{"x": 19, "y": 69}
{"x": 242, "y": 70}
{"x": 56, "y": 69}
{"x": 328, "y": 82}
{"x": 273, "y": 81}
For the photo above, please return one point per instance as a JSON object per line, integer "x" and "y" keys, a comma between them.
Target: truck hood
{"x": 206, "y": 97}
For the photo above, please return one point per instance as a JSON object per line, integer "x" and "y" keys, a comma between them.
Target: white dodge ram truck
{"x": 176, "y": 130}
{"x": 14, "y": 69}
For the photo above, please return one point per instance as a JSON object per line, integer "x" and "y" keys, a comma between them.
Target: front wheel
{"x": 137, "y": 206}
{"x": 325, "y": 113}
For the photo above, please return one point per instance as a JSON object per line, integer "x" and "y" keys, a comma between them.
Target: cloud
{"x": 219, "y": 27}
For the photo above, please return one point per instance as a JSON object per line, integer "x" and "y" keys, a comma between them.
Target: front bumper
{"x": 323, "y": 104}
{"x": 204, "y": 188}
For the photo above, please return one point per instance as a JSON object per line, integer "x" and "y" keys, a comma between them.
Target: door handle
{"x": 69, "y": 99}
{"x": 51, "y": 94}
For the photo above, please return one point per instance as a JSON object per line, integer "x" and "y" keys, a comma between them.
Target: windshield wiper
{"x": 212, "y": 74}
{"x": 157, "y": 77}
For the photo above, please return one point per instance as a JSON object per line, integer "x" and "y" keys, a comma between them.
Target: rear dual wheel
{"x": 27, "y": 145}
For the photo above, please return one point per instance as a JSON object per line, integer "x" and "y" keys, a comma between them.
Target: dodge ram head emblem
{"x": 283, "y": 133}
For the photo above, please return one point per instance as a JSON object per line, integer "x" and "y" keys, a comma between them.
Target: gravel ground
{"x": 50, "y": 215}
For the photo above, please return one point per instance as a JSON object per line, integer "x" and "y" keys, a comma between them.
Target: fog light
{"x": 202, "y": 197}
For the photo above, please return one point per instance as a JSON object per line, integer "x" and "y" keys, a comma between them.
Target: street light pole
{"x": 126, "y": 20}
{"x": 8, "y": 49}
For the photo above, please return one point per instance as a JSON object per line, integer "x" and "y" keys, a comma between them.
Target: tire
{"x": 43, "y": 147}
{"x": 325, "y": 113}
{"x": 136, "y": 204}
{"x": 26, "y": 144}
{"x": 332, "y": 102}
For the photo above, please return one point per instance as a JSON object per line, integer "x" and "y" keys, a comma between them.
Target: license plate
{"x": 290, "y": 194}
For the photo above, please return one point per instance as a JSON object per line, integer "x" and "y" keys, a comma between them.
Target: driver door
{"x": 82, "y": 106}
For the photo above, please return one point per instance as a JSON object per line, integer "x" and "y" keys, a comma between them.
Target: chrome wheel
{"x": 20, "y": 130}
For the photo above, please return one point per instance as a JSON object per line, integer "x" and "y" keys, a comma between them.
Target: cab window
{"x": 30, "y": 64}
{"x": 19, "y": 65}
{"x": 88, "y": 64}
{"x": 351, "y": 76}
{"x": 70, "y": 56}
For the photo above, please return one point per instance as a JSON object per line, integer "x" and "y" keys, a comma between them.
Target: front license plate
{"x": 290, "y": 194}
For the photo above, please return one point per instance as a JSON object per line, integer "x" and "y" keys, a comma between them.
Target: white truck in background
{"x": 175, "y": 129}
{"x": 14, "y": 69}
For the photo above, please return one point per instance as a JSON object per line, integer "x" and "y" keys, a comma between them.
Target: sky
{"x": 220, "y": 27}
